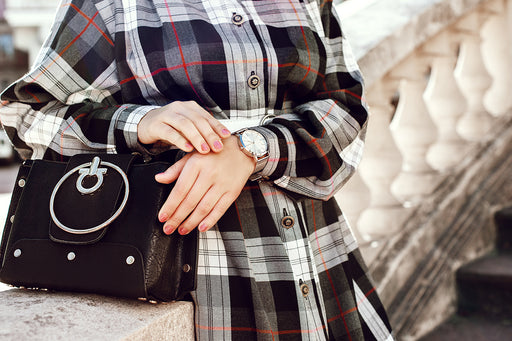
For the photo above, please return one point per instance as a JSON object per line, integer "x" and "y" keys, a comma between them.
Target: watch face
{"x": 254, "y": 142}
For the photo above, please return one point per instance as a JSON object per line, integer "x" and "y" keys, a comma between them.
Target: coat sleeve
{"x": 315, "y": 149}
{"x": 69, "y": 102}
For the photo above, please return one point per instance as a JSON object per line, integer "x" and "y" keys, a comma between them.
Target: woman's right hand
{"x": 185, "y": 125}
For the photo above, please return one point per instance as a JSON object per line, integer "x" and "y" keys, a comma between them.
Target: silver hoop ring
{"x": 108, "y": 221}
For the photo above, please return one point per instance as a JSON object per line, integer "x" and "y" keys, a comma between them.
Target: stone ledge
{"x": 40, "y": 315}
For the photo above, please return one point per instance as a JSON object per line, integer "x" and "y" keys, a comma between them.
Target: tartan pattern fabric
{"x": 106, "y": 63}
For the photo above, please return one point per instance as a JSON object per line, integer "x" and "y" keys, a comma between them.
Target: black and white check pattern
{"x": 107, "y": 63}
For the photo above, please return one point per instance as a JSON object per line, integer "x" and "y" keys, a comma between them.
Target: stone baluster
{"x": 497, "y": 58}
{"x": 445, "y": 102}
{"x": 473, "y": 79}
{"x": 380, "y": 165}
{"x": 353, "y": 198}
{"x": 508, "y": 14}
{"x": 414, "y": 132}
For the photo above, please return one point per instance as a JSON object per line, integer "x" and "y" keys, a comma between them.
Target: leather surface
{"x": 88, "y": 210}
{"x": 15, "y": 197}
{"x": 162, "y": 257}
{"x": 45, "y": 264}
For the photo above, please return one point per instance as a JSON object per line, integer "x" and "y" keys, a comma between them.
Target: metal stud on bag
{"x": 71, "y": 256}
{"x": 93, "y": 170}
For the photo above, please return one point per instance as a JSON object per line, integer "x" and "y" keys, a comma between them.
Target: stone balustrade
{"x": 438, "y": 88}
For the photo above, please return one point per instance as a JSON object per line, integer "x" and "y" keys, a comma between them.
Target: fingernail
{"x": 217, "y": 145}
{"x": 182, "y": 231}
{"x": 163, "y": 217}
{"x": 203, "y": 227}
{"x": 189, "y": 146}
{"x": 204, "y": 147}
{"x": 226, "y": 132}
{"x": 168, "y": 229}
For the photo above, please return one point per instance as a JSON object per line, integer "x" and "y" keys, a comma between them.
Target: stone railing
{"x": 437, "y": 149}
{"x": 436, "y": 164}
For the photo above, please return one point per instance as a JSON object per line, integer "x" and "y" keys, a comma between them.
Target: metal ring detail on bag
{"x": 92, "y": 171}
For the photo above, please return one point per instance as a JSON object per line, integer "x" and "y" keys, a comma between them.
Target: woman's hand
{"x": 206, "y": 185}
{"x": 185, "y": 125}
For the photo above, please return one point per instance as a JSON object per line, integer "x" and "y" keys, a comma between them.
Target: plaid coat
{"x": 282, "y": 263}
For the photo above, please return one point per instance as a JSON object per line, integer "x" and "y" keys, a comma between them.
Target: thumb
{"x": 172, "y": 173}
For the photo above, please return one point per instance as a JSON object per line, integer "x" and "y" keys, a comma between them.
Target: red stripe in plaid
{"x": 353, "y": 309}
{"x": 329, "y": 111}
{"x": 305, "y": 42}
{"x": 302, "y": 66}
{"x": 342, "y": 90}
{"x": 327, "y": 272}
{"x": 325, "y": 2}
{"x": 186, "y": 65}
{"x": 262, "y": 331}
{"x": 324, "y": 155}
{"x": 91, "y": 20}
{"x": 182, "y": 54}
{"x": 221, "y": 62}
{"x": 238, "y": 216}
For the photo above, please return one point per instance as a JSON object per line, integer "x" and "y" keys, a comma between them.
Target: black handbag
{"x": 90, "y": 225}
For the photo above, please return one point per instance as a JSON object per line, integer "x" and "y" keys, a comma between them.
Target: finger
{"x": 202, "y": 210}
{"x": 176, "y": 198}
{"x": 168, "y": 134}
{"x": 184, "y": 209}
{"x": 204, "y": 127}
{"x": 173, "y": 172}
{"x": 188, "y": 205}
{"x": 184, "y": 125}
{"x": 210, "y": 128}
{"x": 218, "y": 127}
{"x": 217, "y": 212}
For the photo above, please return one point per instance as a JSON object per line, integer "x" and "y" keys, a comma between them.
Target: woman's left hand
{"x": 206, "y": 185}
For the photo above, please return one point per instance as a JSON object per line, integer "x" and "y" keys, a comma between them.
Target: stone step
{"x": 40, "y": 315}
{"x": 485, "y": 286}
{"x": 503, "y": 221}
{"x": 475, "y": 329}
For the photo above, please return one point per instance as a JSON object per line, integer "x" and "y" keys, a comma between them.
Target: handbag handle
{"x": 93, "y": 170}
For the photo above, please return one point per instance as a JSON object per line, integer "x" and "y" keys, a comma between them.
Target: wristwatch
{"x": 253, "y": 144}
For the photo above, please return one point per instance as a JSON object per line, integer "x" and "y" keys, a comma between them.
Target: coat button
{"x": 253, "y": 81}
{"x": 287, "y": 222}
{"x": 304, "y": 289}
{"x": 237, "y": 19}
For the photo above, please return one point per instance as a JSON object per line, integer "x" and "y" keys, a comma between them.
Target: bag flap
{"x": 87, "y": 196}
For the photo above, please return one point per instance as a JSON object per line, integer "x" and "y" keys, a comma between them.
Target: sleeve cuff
{"x": 126, "y": 121}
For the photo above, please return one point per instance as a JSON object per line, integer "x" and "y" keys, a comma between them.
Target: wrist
{"x": 231, "y": 143}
